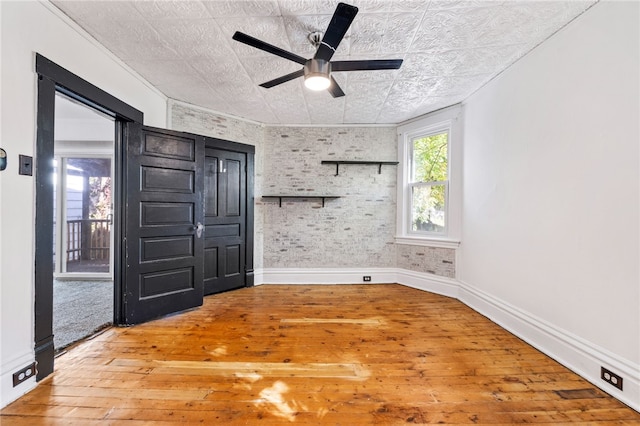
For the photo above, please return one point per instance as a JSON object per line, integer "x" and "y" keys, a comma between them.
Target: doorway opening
{"x": 83, "y": 182}
{"x": 53, "y": 79}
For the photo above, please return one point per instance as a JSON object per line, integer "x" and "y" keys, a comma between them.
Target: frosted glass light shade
{"x": 316, "y": 74}
{"x": 317, "y": 82}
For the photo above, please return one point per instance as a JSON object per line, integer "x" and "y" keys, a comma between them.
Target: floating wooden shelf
{"x": 298, "y": 197}
{"x": 377, "y": 163}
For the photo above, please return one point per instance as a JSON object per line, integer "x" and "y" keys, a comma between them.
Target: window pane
{"x": 430, "y": 158}
{"x": 428, "y": 208}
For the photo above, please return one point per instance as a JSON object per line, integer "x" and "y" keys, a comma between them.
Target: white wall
{"x": 551, "y": 184}
{"x": 26, "y": 28}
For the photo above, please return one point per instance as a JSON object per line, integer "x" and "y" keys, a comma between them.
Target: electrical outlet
{"x": 366, "y": 278}
{"x": 24, "y": 374}
{"x": 611, "y": 378}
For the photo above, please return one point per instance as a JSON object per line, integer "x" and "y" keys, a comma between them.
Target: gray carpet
{"x": 80, "y": 308}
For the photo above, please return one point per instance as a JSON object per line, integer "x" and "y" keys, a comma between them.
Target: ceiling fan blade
{"x": 377, "y": 64}
{"x": 269, "y": 84}
{"x": 335, "y": 89}
{"x": 259, "y": 44}
{"x": 340, "y": 22}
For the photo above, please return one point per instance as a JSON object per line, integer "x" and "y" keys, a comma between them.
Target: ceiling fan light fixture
{"x": 317, "y": 70}
{"x": 316, "y": 74}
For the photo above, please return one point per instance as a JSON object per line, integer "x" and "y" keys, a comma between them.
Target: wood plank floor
{"x": 338, "y": 355}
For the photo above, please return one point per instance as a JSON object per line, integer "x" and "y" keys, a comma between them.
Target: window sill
{"x": 428, "y": 242}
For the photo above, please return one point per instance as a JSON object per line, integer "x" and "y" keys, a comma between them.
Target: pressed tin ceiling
{"x": 450, "y": 49}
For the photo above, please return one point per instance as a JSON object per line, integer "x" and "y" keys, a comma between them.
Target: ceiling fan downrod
{"x": 315, "y": 38}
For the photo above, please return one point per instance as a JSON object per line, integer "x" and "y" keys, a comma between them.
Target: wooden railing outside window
{"x": 88, "y": 239}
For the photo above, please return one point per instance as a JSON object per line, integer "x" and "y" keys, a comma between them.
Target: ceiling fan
{"x": 317, "y": 70}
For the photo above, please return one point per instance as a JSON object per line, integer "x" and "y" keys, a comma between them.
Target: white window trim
{"x": 448, "y": 119}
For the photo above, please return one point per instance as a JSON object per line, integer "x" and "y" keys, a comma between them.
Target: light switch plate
{"x": 26, "y": 165}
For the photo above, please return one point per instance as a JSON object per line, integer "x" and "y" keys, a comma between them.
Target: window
{"x": 429, "y": 191}
{"x": 428, "y": 183}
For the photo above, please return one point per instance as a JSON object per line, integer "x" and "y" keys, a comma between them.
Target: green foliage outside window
{"x": 430, "y": 165}
{"x": 100, "y": 197}
{"x": 430, "y": 158}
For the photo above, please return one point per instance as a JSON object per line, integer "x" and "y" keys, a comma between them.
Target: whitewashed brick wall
{"x": 433, "y": 260}
{"x": 354, "y": 231}
{"x": 187, "y": 118}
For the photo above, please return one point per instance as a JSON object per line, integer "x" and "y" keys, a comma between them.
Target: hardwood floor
{"x": 339, "y": 355}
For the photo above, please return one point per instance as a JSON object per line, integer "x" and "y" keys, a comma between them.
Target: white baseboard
{"x": 8, "y": 393}
{"x": 575, "y": 353}
{"x": 582, "y": 357}
{"x": 419, "y": 280}
{"x": 325, "y": 276}
{"x": 428, "y": 282}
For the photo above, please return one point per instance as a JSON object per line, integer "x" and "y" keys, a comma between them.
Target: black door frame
{"x": 53, "y": 78}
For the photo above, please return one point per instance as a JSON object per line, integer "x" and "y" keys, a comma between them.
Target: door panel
{"x": 162, "y": 283}
{"x": 153, "y": 249}
{"x": 164, "y": 180}
{"x": 165, "y": 214}
{"x": 233, "y": 188}
{"x": 225, "y": 220}
{"x": 226, "y": 230}
{"x": 233, "y": 257}
{"x": 210, "y": 181}
{"x": 163, "y": 256}
{"x": 165, "y": 146}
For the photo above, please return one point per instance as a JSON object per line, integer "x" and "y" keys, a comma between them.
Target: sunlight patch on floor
{"x": 272, "y": 398}
{"x": 219, "y": 351}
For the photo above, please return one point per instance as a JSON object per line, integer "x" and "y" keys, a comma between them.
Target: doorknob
{"x": 199, "y": 228}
